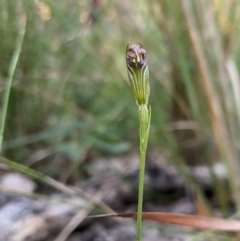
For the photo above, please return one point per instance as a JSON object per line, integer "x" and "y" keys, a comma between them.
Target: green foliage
{"x": 70, "y": 90}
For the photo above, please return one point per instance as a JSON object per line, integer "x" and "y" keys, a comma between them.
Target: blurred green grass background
{"x": 70, "y": 94}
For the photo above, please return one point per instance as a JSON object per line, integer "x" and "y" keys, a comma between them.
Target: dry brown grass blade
{"x": 194, "y": 221}
{"x": 201, "y": 206}
{"x": 221, "y": 133}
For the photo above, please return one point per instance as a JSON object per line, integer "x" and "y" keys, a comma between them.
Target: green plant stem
{"x": 144, "y": 117}
{"x": 11, "y": 71}
{"x": 140, "y": 194}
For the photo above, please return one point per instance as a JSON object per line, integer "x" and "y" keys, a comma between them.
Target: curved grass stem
{"x": 11, "y": 71}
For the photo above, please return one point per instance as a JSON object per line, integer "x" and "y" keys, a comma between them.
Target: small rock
{"x": 18, "y": 182}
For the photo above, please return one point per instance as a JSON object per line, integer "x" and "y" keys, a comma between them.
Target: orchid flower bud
{"x": 138, "y": 73}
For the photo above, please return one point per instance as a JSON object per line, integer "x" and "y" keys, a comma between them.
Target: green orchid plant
{"x": 138, "y": 75}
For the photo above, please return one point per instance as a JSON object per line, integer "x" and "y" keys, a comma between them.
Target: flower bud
{"x": 138, "y": 73}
